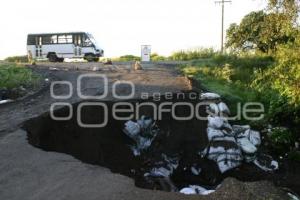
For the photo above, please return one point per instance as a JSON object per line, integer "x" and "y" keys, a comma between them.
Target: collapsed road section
{"x": 158, "y": 150}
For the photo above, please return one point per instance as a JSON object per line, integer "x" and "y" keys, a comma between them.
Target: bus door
{"x": 77, "y": 45}
{"x": 38, "y": 47}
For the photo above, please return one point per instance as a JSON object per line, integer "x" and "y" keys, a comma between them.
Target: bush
{"x": 193, "y": 54}
{"x": 17, "y": 59}
{"x": 282, "y": 140}
{"x": 13, "y": 75}
{"x": 281, "y": 86}
{"x": 127, "y": 58}
{"x": 156, "y": 57}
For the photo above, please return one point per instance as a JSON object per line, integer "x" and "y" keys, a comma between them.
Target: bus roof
{"x": 60, "y": 33}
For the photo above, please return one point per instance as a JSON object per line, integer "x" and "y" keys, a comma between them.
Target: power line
{"x": 223, "y": 11}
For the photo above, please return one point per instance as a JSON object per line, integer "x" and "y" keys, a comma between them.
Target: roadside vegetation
{"x": 262, "y": 64}
{"x": 16, "y": 75}
{"x": 17, "y": 59}
{"x": 126, "y": 58}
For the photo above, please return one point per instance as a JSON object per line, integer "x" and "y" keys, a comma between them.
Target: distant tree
{"x": 265, "y": 30}
{"x": 248, "y": 34}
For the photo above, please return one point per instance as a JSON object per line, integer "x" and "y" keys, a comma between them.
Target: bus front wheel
{"x": 91, "y": 58}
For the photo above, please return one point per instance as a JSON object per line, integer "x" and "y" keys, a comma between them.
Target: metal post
{"x": 222, "y": 28}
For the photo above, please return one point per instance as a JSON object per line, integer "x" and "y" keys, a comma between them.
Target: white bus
{"x": 57, "y": 46}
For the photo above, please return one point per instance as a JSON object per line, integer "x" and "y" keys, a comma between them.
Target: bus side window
{"x": 46, "y": 39}
{"x": 53, "y": 39}
{"x": 31, "y": 40}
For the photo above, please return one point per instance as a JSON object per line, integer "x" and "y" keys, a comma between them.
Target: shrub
{"x": 193, "y": 54}
{"x": 127, "y": 58}
{"x": 13, "y": 75}
{"x": 281, "y": 86}
{"x": 282, "y": 140}
{"x": 156, "y": 57}
{"x": 17, "y": 59}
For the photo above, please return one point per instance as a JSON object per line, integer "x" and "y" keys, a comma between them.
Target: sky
{"x": 122, "y": 26}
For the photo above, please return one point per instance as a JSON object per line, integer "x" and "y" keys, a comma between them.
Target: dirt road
{"x": 154, "y": 79}
{"x": 30, "y": 173}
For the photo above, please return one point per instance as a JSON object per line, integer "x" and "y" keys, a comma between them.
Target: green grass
{"x": 230, "y": 76}
{"x": 13, "y": 75}
{"x": 193, "y": 54}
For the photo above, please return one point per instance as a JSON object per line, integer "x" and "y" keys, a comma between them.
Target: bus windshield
{"x": 92, "y": 39}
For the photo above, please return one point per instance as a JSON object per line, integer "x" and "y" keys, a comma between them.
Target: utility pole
{"x": 223, "y": 11}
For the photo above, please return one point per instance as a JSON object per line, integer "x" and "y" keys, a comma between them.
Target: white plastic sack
{"x": 238, "y": 129}
{"x": 195, "y": 189}
{"x": 210, "y": 96}
{"x": 144, "y": 122}
{"x": 132, "y": 129}
{"x": 254, "y": 137}
{"x": 246, "y": 146}
{"x": 213, "y": 109}
{"x": 274, "y": 166}
{"x": 212, "y": 133}
{"x": 223, "y": 108}
{"x": 226, "y": 159}
{"x": 215, "y": 122}
{"x": 160, "y": 172}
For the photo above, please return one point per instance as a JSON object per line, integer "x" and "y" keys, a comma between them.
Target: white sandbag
{"x": 293, "y": 196}
{"x": 251, "y": 135}
{"x": 143, "y": 132}
{"x": 5, "y": 101}
{"x": 273, "y": 165}
{"x": 132, "y": 129}
{"x": 254, "y": 137}
{"x": 228, "y": 128}
{"x": 166, "y": 167}
{"x": 246, "y": 146}
{"x": 187, "y": 191}
{"x": 215, "y": 122}
{"x": 144, "y": 122}
{"x": 226, "y": 159}
{"x": 212, "y": 133}
{"x": 213, "y": 109}
{"x": 210, "y": 96}
{"x": 223, "y": 108}
{"x": 195, "y": 189}
{"x": 160, "y": 172}
{"x": 238, "y": 129}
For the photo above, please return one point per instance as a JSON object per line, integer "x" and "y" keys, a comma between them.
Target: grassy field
{"x": 14, "y": 75}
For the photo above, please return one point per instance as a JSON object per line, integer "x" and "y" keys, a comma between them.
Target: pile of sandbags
{"x": 142, "y": 133}
{"x": 230, "y": 145}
